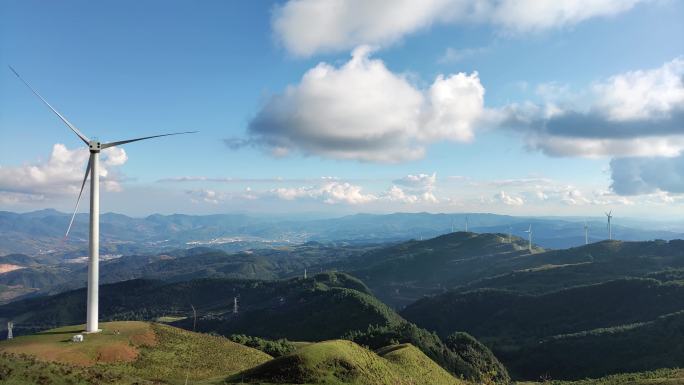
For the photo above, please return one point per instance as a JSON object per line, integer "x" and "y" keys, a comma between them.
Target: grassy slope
{"x": 146, "y": 353}
{"x": 657, "y": 377}
{"x": 140, "y": 352}
{"x": 344, "y": 362}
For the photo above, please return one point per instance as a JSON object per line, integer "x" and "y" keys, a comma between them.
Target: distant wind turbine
{"x": 609, "y": 215}
{"x": 92, "y": 168}
{"x": 586, "y": 233}
{"x": 529, "y": 238}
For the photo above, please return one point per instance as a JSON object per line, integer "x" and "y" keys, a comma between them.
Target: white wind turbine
{"x": 92, "y": 168}
{"x": 529, "y": 238}
{"x": 609, "y": 215}
{"x": 586, "y": 233}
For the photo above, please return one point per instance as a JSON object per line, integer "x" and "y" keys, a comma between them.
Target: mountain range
{"x": 40, "y": 234}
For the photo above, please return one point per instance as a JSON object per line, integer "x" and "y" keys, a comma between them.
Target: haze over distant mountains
{"x": 40, "y": 233}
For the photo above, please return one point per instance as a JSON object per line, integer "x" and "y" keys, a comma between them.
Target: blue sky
{"x": 562, "y": 88}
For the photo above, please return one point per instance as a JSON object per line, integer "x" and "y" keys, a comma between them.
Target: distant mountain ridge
{"x": 40, "y": 233}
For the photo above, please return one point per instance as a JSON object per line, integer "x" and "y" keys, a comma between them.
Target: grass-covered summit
{"x": 123, "y": 353}
{"x": 344, "y": 362}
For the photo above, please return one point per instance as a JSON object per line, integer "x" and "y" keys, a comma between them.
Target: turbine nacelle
{"x": 95, "y": 146}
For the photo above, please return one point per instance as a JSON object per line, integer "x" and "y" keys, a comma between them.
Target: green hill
{"x": 213, "y": 299}
{"x": 344, "y": 362}
{"x": 526, "y": 331}
{"x": 594, "y": 263}
{"x": 405, "y": 272}
{"x": 325, "y": 306}
{"x": 123, "y": 353}
{"x": 144, "y": 353}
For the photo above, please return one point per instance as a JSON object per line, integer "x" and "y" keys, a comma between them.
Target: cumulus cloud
{"x": 61, "y": 174}
{"x": 365, "y": 112}
{"x": 206, "y": 196}
{"x": 330, "y": 192}
{"x": 306, "y": 27}
{"x": 416, "y": 189}
{"x": 509, "y": 200}
{"x": 419, "y": 188}
{"x": 635, "y": 176}
{"x": 422, "y": 181}
{"x": 637, "y": 113}
{"x": 650, "y": 94}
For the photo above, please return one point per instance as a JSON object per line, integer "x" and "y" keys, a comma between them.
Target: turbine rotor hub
{"x": 95, "y": 146}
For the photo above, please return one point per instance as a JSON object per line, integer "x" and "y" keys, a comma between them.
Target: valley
{"x": 480, "y": 306}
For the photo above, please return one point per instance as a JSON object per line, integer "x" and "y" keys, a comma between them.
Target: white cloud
{"x": 306, "y": 27}
{"x": 421, "y": 181}
{"x": 535, "y": 15}
{"x": 61, "y": 174}
{"x": 329, "y": 192}
{"x": 636, "y": 113}
{"x": 206, "y": 196}
{"x": 649, "y": 94}
{"x": 509, "y": 200}
{"x": 363, "y": 111}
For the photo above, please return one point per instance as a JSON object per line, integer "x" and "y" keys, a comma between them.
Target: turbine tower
{"x": 92, "y": 168}
{"x": 466, "y": 228}
{"x": 609, "y": 215}
{"x": 529, "y": 238}
{"x": 586, "y": 233}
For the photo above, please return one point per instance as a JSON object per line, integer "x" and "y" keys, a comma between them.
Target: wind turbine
{"x": 92, "y": 169}
{"x": 609, "y": 215}
{"x": 529, "y": 238}
{"x": 586, "y": 233}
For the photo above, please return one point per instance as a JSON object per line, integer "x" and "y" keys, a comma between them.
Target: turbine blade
{"x": 71, "y": 126}
{"x": 112, "y": 144}
{"x": 71, "y": 222}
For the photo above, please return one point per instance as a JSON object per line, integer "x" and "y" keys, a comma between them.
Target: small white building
{"x": 77, "y": 338}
